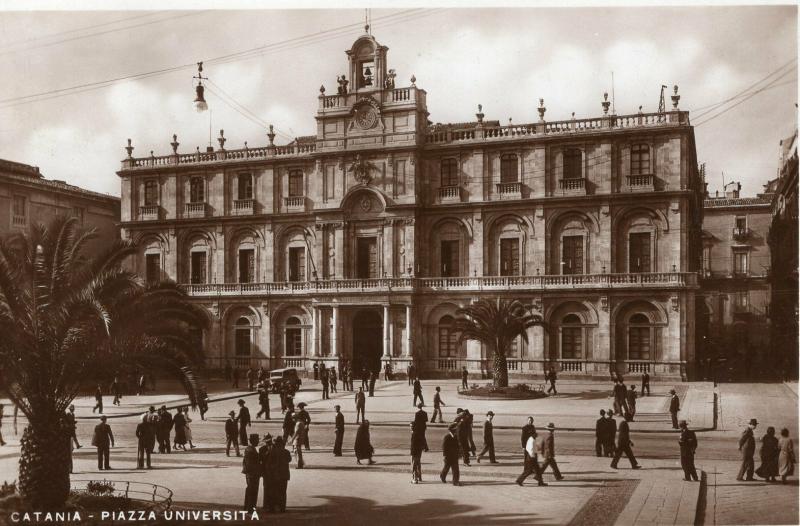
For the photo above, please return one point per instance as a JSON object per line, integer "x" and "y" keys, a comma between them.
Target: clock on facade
{"x": 365, "y": 116}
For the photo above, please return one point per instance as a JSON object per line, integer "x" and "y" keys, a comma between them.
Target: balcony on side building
{"x": 18, "y": 220}
{"x": 640, "y": 183}
{"x": 512, "y": 190}
{"x": 243, "y": 207}
{"x": 295, "y": 203}
{"x": 450, "y": 194}
{"x": 148, "y": 213}
{"x": 194, "y": 210}
{"x": 572, "y": 186}
{"x": 741, "y": 233}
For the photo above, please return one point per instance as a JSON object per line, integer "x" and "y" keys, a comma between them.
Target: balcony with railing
{"x": 295, "y": 203}
{"x": 194, "y": 210}
{"x": 512, "y": 190}
{"x": 18, "y": 220}
{"x": 572, "y": 186}
{"x": 243, "y": 207}
{"x": 148, "y": 213}
{"x": 243, "y": 154}
{"x": 741, "y": 233}
{"x": 640, "y": 183}
{"x": 570, "y": 282}
{"x": 571, "y": 366}
{"x": 449, "y": 194}
{"x": 638, "y": 367}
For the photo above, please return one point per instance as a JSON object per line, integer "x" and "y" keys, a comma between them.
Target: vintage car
{"x": 287, "y": 376}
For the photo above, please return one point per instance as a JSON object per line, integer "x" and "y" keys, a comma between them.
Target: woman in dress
{"x": 786, "y": 458}
{"x": 300, "y": 437}
{"x": 769, "y": 456}
{"x": 180, "y": 430}
{"x": 418, "y": 445}
{"x": 363, "y": 446}
{"x": 187, "y": 428}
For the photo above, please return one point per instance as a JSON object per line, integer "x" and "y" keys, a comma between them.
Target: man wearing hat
{"x": 688, "y": 445}
{"x": 488, "y": 439}
{"x": 103, "y": 440}
{"x": 531, "y": 463}
{"x": 674, "y": 407}
{"x": 304, "y": 417}
{"x": 244, "y": 421}
{"x": 361, "y": 403}
{"x": 548, "y": 451}
{"x": 747, "y": 445}
{"x": 417, "y": 392}
{"x": 338, "y": 431}
{"x": 611, "y": 434}
{"x": 251, "y": 467}
{"x": 624, "y": 444}
{"x": 278, "y": 467}
{"x": 450, "y": 454}
{"x": 231, "y": 432}
{"x": 266, "y": 475}
{"x": 527, "y": 430}
{"x": 421, "y": 425}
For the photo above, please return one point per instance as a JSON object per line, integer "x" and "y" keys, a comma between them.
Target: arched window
{"x": 197, "y": 190}
{"x": 640, "y": 159}
{"x": 573, "y": 164}
{"x": 571, "y": 337}
{"x": 509, "y": 168}
{"x": 448, "y": 339}
{"x": 639, "y": 341}
{"x": 243, "y": 340}
{"x": 294, "y": 337}
{"x": 448, "y": 173}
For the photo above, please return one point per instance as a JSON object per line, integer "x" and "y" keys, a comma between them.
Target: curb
{"x": 173, "y": 405}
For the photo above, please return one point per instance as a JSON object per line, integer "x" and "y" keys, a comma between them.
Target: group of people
{"x": 776, "y": 454}
{"x": 156, "y": 427}
{"x": 267, "y": 465}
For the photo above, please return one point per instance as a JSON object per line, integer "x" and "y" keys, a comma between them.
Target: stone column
{"x": 315, "y": 331}
{"x": 386, "y": 350}
{"x": 409, "y": 341}
{"x": 603, "y": 347}
{"x": 335, "y": 331}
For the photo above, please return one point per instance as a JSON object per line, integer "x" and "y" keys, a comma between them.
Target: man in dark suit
{"x": 620, "y": 403}
{"x": 338, "y": 431}
{"x": 548, "y": 451}
{"x": 418, "y": 391}
{"x": 144, "y": 437}
{"x": 462, "y": 417}
{"x": 72, "y": 426}
{"x": 464, "y": 378}
{"x": 688, "y": 445}
{"x": 323, "y": 377}
{"x": 251, "y": 467}
{"x": 747, "y": 445}
{"x": 437, "y": 405}
{"x": 103, "y": 440}
{"x": 624, "y": 444}
{"x": 531, "y": 462}
{"x": 263, "y": 399}
{"x": 527, "y": 430}
{"x": 373, "y": 377}
{"x": 361, "y": 404}
{"x": 674, "y": 407}
{"x": 450, "y": 454}
{"x": 304, "y": 417}
{"x": 231, "y": 435}
{"x": 421, "y": 423}
{"x": 611, "y": 434}
{"x": 600, "y": 431}
{"x": 630, "y": 398}
{"x": 488, "y": 439}
{"x": 165, "y": 422}
{"x": 243, "y": 419}
{"x": 646, "y": 383}
{"x": 278, "y": 466}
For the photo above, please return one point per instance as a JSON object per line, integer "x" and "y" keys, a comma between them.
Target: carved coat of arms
{"x": 361, "y": 170}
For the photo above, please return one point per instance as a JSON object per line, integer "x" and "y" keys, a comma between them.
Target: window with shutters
{"x": 740, "y": 263}
{"x": 367, "y": 258}
{"x": 639, "y": 341}
{"x": 448, "y": 339}
{"x": 572, "y": 255}
{"x": 449, "y": 258}
{"x": 509, "y": 168}
{"x": 297, "y": 264}
{"x": 509, "y": 257}
{"x": 152, "y": 264}
{"x": 295, "y": 183}
{"x": 243, "y": 340}
{"x": 247, "y": 265}
{"x": 640, "y": 159}
{"x": 150, "y": 192}
{"x": 294, "y": 337}
{"x": 197, "y": 190}
{"x": 573, "y": 164}
{"x": 448, "y": 172}
{"x": 244, "y": 187}
{"x": 639, "y": 252}
{"x": 198, "y": 268}
{"x": 571, "y": 337}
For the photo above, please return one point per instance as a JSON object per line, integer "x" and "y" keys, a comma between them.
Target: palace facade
{"x": 362, "y": 240}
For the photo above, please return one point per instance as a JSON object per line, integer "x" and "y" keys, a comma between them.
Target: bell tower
{"x": 367, "y": 60}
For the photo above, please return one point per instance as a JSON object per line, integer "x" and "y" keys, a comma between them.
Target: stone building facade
{"x": 360, "y": 242}
{"x": 734, "y": 313}
{"x": 27, "y": 198}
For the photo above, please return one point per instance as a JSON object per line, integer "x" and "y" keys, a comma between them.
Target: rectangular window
{"x": 707, "y": 259}
{"x": 198, "y": 270}
{"x": 509, "y": 257}
{"x": 573, "y": 164}
{"x": 449, "y": 172}
{"x": 742, "y": 300}
{"x": 196, "y": 190}
{"x": 19, "y": 206}
{"x": 242, "y": 342}
{"x": 640, "y": 159}
{"x": 329, "y": 183}
{"x": 296, "y": 183}
{"x": 509, "y": 172}
{"x": 571, "y": 342}
{"x": 297, "y": 264}
{"x": 639, "y": 252}
{"x": 152, "y": 264}
{"x": 400, "y": 176}
{"x": 740, "y": 263}
{"x": 449, "y": 258}
{"x": 448, "y": 340}
{"x": 150, "y": 193}
{"x": 245, "y": 190}
{"x": 572, "y": 261}
{"x": 741, "y": 223}
{"x": 294, "y": 342}
{"x": 639, "y": 343}
{"x": 247, "y": 265}
{"x": 367, "y": 253}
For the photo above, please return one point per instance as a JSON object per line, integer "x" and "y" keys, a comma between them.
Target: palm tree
{"x": 67, "y": 319}
{"x": 496, "y": 324}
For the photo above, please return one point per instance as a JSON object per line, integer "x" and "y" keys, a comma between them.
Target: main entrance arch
{"x": 367, "y": 332}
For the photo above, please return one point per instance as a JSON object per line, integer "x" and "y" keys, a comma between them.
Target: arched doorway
{"x": 367, "y": 333}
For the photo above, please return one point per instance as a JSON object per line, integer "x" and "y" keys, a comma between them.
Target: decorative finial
{"x": 605, "y": 103}
{"x": 174, "y": 144}
{"x": 322, "y": 89}
{"x": 541, "y": 109}
{"x": 573, "y": 115}
{"x": 509, "y": 121}
{"x": 675, "y": 98}
{"x": 245, "y": 145}
{"x": 480, "y": 115}
{"x": 271, "y": 136}
{"x": 640, "y": 109}
{"x": 413, "y": 81}
{"x": 129, "y": 149}
{"x": 221, "y": 139}
{"x": 198, "y": 150}
{"x": 151, "y": 153}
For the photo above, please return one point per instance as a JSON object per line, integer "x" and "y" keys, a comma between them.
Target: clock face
{"x": 365, "y": 116}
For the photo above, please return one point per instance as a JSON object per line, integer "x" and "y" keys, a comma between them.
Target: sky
{"x": 505, "y": 59}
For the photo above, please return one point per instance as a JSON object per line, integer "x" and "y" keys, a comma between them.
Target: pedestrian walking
{"x": 323, "y": 378}
{"x": 251, "y": 467}
{"x": 347, "y": 378}
{"x": 180, "y": 430}
{"x": 363, "y": 446}
{"x": 527, "y": 430}
{"x": 418, "y": 445}
{"x": 361, "y": 404}
{"x": 548, "y": 452}
{"x": 421, "y": 423}
{"x": 620, "y": 398}
{"x": 316, "y": 371}
{"x": 144, "y": 437}
{"x": 624, "y": 445}
{"x": 72, "y": 425}
{"x": 786, "y": 458}
{"x": 202, "y": 403}
{"x": 235, "y": 378}
{"x": 116, "y": 390}
{"x": 338, "y": 431}
{"x": 364, "y": 378}
{"x": 142, "y": 385}
{"x": 417, "y": 392}
{"x": 437, "y": 405}
{"x": 278, "y": 462}
{"x": 153, "y": 418}
{"x": 288, "y": 426}
{"x": 464, "y": 378}
{"x": 463, "y": 439}
{"x": 243, "y": 419}
{"x": 266, "y": 474}
{"x": 747, "y": 445}
{"x": 231, "y": 435}
{"x": 187, "y": 429}
{"x": 611, "y": 434}
{"x": 373, "y": 377}
{"x": 332, "y": 380}
{"x": 387, "y": 372}
{"x": 300, "y": 439}
{"x": 551, "y": 377}
{"x": 282, "y": 394}
{"x": 768, "y": 453}
{"x": 488, "y": 439}
{"x": 674, "y": 407}
{"x": 688, "y": 445}
{"x": 531, "y": 462}
{"x": 450, "y": 455}
{"x": 303, "y": 416}
{"x": 469, "y": 419}
{"x": 646, "y": 383}
{"x": 165, "y": 423}
{"x": 630, "y": 398}
{"x": 410, "y": 373}
{"x": 263, "y": 401}
{"x": 600, "y": 431}
{"x": 103, "y": 440}
{"x": 98, "y": 399}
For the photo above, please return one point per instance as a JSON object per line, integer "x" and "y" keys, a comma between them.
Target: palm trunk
{"x": 44, "y": 466}
{"x": 500, "y": 370}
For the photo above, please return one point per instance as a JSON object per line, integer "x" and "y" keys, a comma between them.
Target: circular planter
{"x": 512, "y": 392}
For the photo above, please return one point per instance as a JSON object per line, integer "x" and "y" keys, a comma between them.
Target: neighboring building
{"x": 733, "y": 319}
{"x": 362, "y": 241}
{"x": 783, "y": 245}
{"x": 27, "y": 198}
